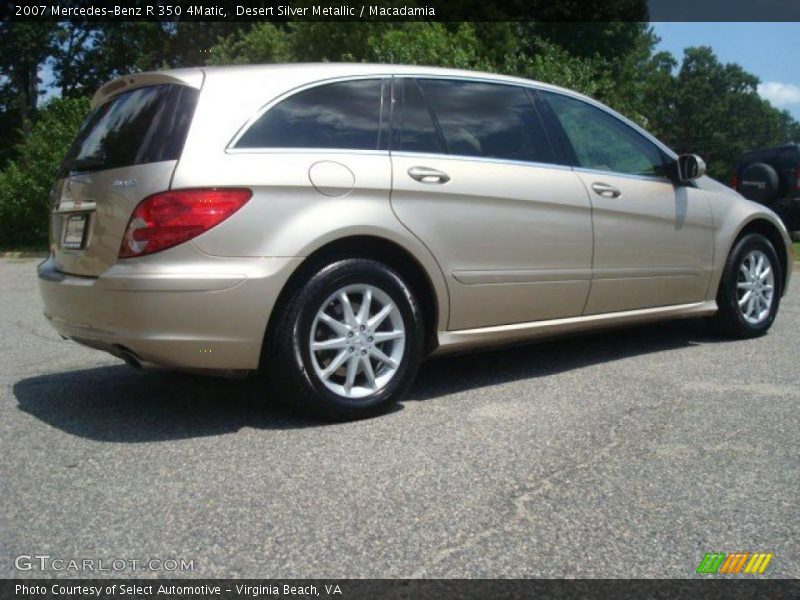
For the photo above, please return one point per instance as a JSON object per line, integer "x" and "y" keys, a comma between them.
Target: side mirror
{"x": 688, "y": 167}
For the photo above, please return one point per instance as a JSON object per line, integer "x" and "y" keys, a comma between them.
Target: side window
{"x": 346, "y": 114}
{"x": 415, "y": 130}
{"x": 603, "y": 142}
{"x": 487, "y": 119}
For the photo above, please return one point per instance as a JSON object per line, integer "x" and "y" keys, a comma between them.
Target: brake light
{"x": 170, "y": 218}
{"x": 797, "y": 177}
{"x": 734, "y": 181}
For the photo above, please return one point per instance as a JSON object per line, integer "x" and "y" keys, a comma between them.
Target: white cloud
{"x": 780, "y": 94}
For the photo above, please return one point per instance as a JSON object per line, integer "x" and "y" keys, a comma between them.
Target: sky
{"x": 767, "y": 50}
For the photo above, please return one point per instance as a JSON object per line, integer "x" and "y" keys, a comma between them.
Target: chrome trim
{"x": 522, "y": 163}
{"x": 279, "y": 150}
{"x": 656, "y": 178}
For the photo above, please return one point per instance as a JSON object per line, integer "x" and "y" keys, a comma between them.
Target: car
{"x": 771, "y": 176}
{"x": 332, "y": 225}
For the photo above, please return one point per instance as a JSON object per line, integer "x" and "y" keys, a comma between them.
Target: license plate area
{"x": 73, "y": 235}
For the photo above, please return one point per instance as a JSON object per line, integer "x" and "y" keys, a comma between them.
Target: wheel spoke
{"x": 385, "y": 336}
{"x": 332, "y": 344}
{"x": 381, "y": 316}
{"x": 751, "y": 305}
{"x": 347, "y": 308}
{"x": 745, "y": 271}
{"x": 765, "y": 273}
{"x": 337, "y": 326}
{"x": 363, "y": 311}
{"x": 745, "y": 298}
{"x": 381, "y": 356}
{"x": 352, "y": 369}
{"x": 366, "y": 365}
{"x": 334, "y": 365}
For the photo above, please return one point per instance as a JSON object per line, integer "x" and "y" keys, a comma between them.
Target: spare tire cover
{"x": 759, "y": 183}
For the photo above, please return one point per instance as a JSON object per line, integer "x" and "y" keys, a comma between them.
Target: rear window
{"x": 144, "y": 125}
{"x": 343, "y": 115}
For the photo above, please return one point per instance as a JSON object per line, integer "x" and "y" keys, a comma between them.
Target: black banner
{"x": 358, "y": 589}
{"x": 399, "y": 10}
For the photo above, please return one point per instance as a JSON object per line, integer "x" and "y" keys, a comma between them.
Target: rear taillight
{"x": 797, "y": 178}
{"x": 734, "y": 181}
{"x": 170, "y": 218}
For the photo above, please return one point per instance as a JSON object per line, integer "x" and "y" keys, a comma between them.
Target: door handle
{"x": 428, "y": 175}
{"x": 605, "y": 190}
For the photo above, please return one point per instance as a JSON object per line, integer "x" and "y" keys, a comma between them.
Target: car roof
{"x": 324, "y": 70}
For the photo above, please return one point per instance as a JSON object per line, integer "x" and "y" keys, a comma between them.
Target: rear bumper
{"x": 208, "y": 315}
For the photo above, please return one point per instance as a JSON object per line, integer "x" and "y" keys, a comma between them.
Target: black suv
{"x": 771, "y": 176}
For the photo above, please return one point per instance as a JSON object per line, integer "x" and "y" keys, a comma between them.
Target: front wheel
{"x": 750, "y": 289}
{"x": 348, "y": 342}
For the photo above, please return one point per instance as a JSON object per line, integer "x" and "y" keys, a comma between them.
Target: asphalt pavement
{"x": 624, "y": 454}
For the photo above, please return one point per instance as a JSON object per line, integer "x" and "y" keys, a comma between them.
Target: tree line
{"x": 693, "y": 103}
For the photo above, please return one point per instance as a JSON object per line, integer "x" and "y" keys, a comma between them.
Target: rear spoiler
{"x": 190, "y": 77}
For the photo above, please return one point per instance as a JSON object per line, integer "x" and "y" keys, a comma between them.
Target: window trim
{"x": 532, "y": 87}
{"x": 466, "y": 157}
{"x": 382, "y": 120}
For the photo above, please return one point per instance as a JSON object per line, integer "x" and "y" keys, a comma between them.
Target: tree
{"x": 26, "y": 181}
{"x": 714, "y": 110}
{"x": 23, "y": 49}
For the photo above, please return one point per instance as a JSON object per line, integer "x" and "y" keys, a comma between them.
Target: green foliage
{"x": 714, "y": 110}
{"x": 26, "y": 181}
{"x": 263, "y": 43}
{"x": 429, "y": 44}
{"x": 694, "y": 105}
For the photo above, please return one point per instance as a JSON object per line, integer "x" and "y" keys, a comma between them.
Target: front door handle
{"x": 428, "y": 175}
{"x": 605, "y": 190}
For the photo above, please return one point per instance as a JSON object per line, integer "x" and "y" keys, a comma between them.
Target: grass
{"x": 797, "y": 251}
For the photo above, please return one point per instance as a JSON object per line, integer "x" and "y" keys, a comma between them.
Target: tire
{"x": 747, "y": 322}
{"x": 308, "y": 378}
{"x": 759, "y": 182}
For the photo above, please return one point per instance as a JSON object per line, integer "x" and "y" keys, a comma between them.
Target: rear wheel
{"x": 750, "y": 289}
{"x": 349, "y": 342}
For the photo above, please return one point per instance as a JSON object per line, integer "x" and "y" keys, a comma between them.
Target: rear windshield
{"x": 144, "y": 125}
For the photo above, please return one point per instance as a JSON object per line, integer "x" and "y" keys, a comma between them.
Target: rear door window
{"x": 148, "y": 124}
{"x": 342, "y": 115}
{"x": 487, "y": 120}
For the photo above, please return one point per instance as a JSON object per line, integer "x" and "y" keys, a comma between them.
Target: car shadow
{"x": 463, "y": 372}
{"x": 123, "y": 405}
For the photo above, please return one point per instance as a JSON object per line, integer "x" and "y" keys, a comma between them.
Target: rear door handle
{"x": 428, "y": 175}
{"x": 605, "y": 190}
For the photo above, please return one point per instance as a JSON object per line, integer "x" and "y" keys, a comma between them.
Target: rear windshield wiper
{"x": 88, "y": 163}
